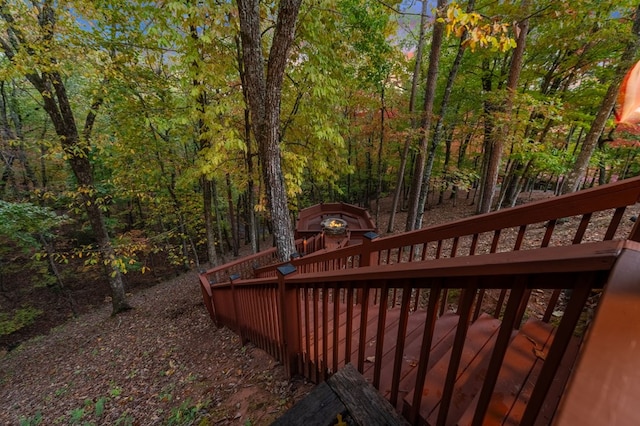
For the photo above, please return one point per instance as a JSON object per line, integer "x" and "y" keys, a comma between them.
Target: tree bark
{"x": 207, "y": 201}
{"x": 204, "y": 142}
{"x": 425, "y": 123}
{"x": 264, "y": 102}
{"x": 412, "y": 102}
{"x": 495, "y": 153}
{"x": 437, "y": 134}
{"x": 253, "y": 223}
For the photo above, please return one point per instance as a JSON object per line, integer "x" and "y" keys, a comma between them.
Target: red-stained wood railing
{"x": 420, "y": 276}
{"x": 596, "y": 214}
{"x": 246, "y": 266}
{"x": 608, "y": 370}
{"x": 294, "y": 317}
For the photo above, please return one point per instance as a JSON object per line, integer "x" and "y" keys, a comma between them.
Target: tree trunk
{"x": 232, "y": 219}
{"x": 207, "y": 202}
{"x": 412, "y": 102}
{"x": 572, "y": 181}
{"x": 204, "y": 142}
{"x": 216, "y": 208}
{"x": 380, "y": 150}
{"x": 425, "y": 123}
{"x": 437, "y": 134}
{"x": 253, "y": 224}
{"x": 264, "y": 102}
{"x": 56, "y": 103}
{"x": 495, "y": 154}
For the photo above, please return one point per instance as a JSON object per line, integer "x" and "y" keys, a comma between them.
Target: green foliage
{"x": 186, "y": 413}
{"x": 23, "y": 223}
{"x": 18, "y": 319}
{"x": 171, "y": 110}
{"x": 31, "y": 421}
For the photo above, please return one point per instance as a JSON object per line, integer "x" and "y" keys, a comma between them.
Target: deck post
{"x": 289, "y": 323}
{"x": 236, "y": 317}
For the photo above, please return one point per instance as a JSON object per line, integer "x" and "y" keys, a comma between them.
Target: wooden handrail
{"x": 449, "y": 240}
{"x": 608, "y": 371}
{"x": 308, "y": 298}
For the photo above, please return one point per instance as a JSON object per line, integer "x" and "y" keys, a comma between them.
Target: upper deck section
{"x": 358, "y": 220}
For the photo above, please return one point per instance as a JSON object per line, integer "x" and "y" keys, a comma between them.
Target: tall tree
{"x": 438, "y": 131}
{"x": 496, "y": 148}
{"x": 264, "y": 102}
{"x": 577, "y": 174}
{"x": 33, "y": 50}
{"x": 415, "y": 79}
{"x": 425, "y": 121}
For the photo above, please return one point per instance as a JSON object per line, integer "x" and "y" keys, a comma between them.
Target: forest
{"x": 140, "y": 138}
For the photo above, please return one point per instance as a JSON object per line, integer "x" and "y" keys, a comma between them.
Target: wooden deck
{"x": 438, "y": 319}
{"x": 522, "y": 364}
{"x": 357, "y": 219}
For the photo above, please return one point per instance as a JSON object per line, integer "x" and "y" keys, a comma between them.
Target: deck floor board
{"x": 523, "y": 361}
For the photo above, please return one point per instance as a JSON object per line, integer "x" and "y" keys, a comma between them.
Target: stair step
{"x": 478, "y": 335}
{"x": 443, "y": 334}
{"x": 520, "y": 368}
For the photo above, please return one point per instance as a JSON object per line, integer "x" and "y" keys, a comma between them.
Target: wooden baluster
{"x": 551, "y": 306}
{"x": 336, "y": 325}
{"x": 364, "y": 312}
{"x": 307, "y": 331}
{"x": 454, "y": 247}
{"x": 382, "y": 319}
{"x": 520, "y": 237}
{"x": 325, "y": 332}
{"x": 551, "y": 225}
{"x": 349, "y": 330}
{"x": 273, "y": 314}
{"x": 615, "y": 221}
{"x": 478, "y": 309}
{"x": 236, "y": 312}
{"x": 497, "y": 356}
{"x": 552, "y": 361}
{"x": 496, "y": 240}
{"x": 584, "y": 223}
{"x": 316, "y": 349}
{"x": 474, "y": 245}
{"x": 425, "y": 351}
{"x": 400, "y": 342}
{"x": 288, "y": 321}
{"x": 464, "y": 310}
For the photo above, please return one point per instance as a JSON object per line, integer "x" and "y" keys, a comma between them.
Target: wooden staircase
{"x": 440, "y": 321}
{"x": 527, "y": 350}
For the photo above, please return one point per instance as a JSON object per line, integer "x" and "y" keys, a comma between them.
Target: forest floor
{"x": 161, "y": 363}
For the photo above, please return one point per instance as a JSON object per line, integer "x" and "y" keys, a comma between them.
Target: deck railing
{"x": 597, "y": 214}
{"x": 317, "y": 302}
{"x": 246, "y": 267}
{"x": 495, "y": 263}
{"x": 294, "y": 317}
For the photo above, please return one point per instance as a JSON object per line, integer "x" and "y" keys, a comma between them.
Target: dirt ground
{"x": 162, "y": 363}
